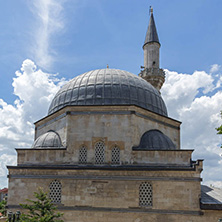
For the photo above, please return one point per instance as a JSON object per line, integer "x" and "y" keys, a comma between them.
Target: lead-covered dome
{"x": 108, "y": 87}
{"x": 155, "y": 140}
{"x": 50, "y": 139}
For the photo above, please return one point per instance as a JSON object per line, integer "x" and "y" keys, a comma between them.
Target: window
{"x": 83, "y": 155}
{"x": 99, "y": 152}
{"x": 115, "y": 155}
{"x": 145, "y": 194}
{"x": 55, "y": 191}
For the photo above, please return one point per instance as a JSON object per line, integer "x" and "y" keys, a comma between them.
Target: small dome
{"x": 155, "y": 140}
{"x": 108, "y": 87}
{"x": 50, "y": 139}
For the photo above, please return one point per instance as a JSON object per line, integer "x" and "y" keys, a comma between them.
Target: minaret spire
{"x": 152, "y": 73}
{"x": 151, "y": 34}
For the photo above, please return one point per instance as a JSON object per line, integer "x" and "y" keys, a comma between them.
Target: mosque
{"x": 108, "y": 151}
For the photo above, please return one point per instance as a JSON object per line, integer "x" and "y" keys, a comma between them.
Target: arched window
{"x": 99, "y": 153}
{"x": 115, "y": 155}
{"x": 82, "y": 155}
{"x": 55, "y": 188}
{"x": 145, "y": 194}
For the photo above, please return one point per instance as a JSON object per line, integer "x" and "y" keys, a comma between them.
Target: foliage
{"x": 219, "y": 129}
{"x": 40, "y": 210}
{"x": 3, "y": 207}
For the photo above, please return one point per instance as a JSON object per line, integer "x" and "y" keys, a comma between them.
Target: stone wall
{"x": 109, "y": 189}
{"x": 91, "y": 216}
{"x": 100, "y": 195}
{"x": 120, "y": 126}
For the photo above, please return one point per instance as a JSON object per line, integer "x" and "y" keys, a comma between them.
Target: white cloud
{"x": 193, "y": 100}
{"x": 214, "y": 68}
{"x": 179, "y": 90}
{"x": 35, "y": 90}
{"x": 49, "y": 21}
{"x": 6, "y": 159}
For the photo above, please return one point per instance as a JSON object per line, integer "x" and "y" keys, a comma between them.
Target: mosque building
{"x": 108, "y": 151}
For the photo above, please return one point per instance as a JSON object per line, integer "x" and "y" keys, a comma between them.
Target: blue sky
{"x": 71, "y": 37}
{"x": 98, "y": 32}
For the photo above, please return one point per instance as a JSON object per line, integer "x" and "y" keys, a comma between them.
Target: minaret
{"x": 151, "y": 72}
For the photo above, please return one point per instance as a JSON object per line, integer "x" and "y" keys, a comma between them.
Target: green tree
{"x": 40, "y": 210}
{"x": 219, "y": 129}
{"x": 2, "y": 207}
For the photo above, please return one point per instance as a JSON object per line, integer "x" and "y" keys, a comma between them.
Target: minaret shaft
{"x": 151, "y": 55}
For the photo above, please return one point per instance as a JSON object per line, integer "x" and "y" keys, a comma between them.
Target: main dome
{"x": 108, "y": 87}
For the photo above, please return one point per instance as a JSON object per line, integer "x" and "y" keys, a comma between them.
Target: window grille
{"x": 145, "y": 194}
{"x": 115, "y": 155}
{"x": 55, "y": 191}
{"x": 83, "y": 155}
{"x": 99, "y": 153}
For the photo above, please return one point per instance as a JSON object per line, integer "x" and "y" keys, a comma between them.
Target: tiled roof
{"x": 4, "y": 190}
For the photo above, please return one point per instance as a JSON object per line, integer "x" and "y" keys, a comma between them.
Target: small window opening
{"x": 115, "y": 155}
{"x": 83, "y": 155}
{"x": 100, "y": 153}
{"x": 145, "y": 194}
{"x": 55, "y": 188}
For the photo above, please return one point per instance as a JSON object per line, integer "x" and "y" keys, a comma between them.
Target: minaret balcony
{"x": 155, "y": 76}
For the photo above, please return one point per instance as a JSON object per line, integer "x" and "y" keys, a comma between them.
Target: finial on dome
{"x": 107, "y": 66}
